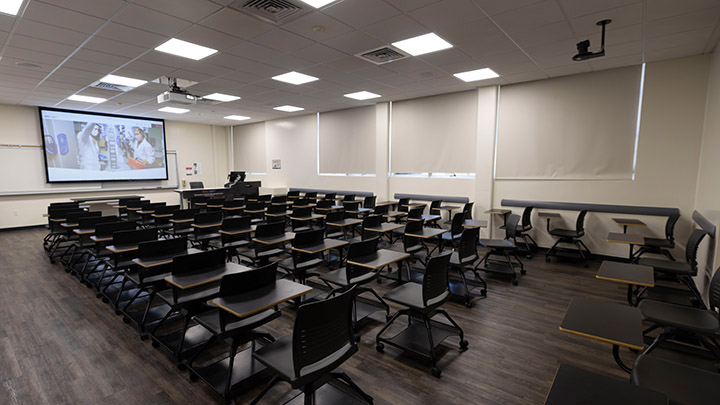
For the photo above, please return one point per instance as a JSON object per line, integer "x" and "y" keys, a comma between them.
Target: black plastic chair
{"x": 259, "y": 253}
{"x": 456, "y": 229}
{"x": 182, "y": 222}
{"x": 464, "y": 259}
{"x": 402, "y": 204}
{"x": 468, "y": 210}
{"x": 205, "y": 228}
{"x": 369, "y": 202}
{"x": 571, "y": 236}
{"x": 298, "y": 265}
{"x": 423, "y": 301}
{"x": 682, "y": 384}
{"x": 414, "y": 245}
{"x": 328, "y": 196}
{"x": 196, "y": 184}
{"x": 522, "y": 232}
{"x": 661, "y": 246}
{"x": 504, "y": 248}
{"x": 322, "y": 340}
{"x": 434, "y": 207}
{"x": 333, "y": 231}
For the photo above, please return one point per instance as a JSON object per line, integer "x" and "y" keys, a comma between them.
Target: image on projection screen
{"x": 99, "y": 147}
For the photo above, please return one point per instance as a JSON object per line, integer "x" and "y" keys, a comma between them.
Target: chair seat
{"x": 234, "y": 244}
{"x": 134, "y": 276}
{"x": 669, "y": 266}
{"x": 680, "y": 316}
{"x": 659, "y": 243}
{"x": 291, "y": 266}
{"x": 681, "y": 383}
{"x": 204, "y": 292}
{"x": 449, "y": 236}
{"x": 408, "y": 294}
{"x": 338, "y": 277}
{"x": 565, "y": 233}
{"x": 455, "y": 259}
{"x": 496, "y": 244}
{"x": 252, "y": 254}
{"x": 203, "y": 237}
{"x": 521, "y": 228}
{"x": 211, "y": 321}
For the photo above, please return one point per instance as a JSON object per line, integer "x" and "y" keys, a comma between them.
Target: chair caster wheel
{"x": 514, "y": 282}
{"x": 182, "y": 366}
{"x": 436, "y": 372}
{"x": 357, "y": 338}
{"x": 193, "y": 377}
{"x": 105, "y": 300}
{"x": 528, "y": 256}
{"x": 547, "y": 259}
{"x": 468, "y": 304}
{"x": 380, "y": 348}
{"x": 143, "y": 337}
{"x": 464, "y": 345}
{"x": 118, "y": 312}
{"x": 523, "y": 271}
{"x": 126, "y": 319}
{"x": 52, "y": 261}
{"x": 388, "y": 318}
{"x": 67, "y": 270}
{"x": 155, "y": 344}
{"x": 483, "y": 292}
{"x": 98, "y": 295}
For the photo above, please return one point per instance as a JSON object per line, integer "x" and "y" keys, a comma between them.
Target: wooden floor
{"x": 59, "y": 344}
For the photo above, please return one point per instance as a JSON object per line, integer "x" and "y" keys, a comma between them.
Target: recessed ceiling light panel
{"x": 87, "y": 99}
{"x": 174, "y": 110}
{"x": 362, "y": 95}
{"x": 475, "y": 75}
{"x": 221, "y": 97}
{"x": 288, "y": 108}
{"x": 186, "y": 49}
{"x": 423, "y": 44}
{"x": 123, "y": 81}
{"x": 237, "y": 117}
{"x": 295, "y": 78}
{"x": 10, "y": 6}
{"x": 318, "y": 3}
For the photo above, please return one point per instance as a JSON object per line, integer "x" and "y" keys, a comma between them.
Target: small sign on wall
{"x": 188, "y": 171}
{"x": 276, "y": 164}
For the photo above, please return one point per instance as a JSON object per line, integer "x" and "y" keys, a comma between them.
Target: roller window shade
{"x": 574, "y": 127}
{"x": 347, "y": 141}
{"x": 435, "y": 134}
{"x": 249, "y": 148}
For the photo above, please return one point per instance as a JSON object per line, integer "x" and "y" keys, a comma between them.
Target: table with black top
{"x": 325, "y": 245}
{"x": 626, "y": 238}
{"x": 630, "y": 274}
{"x": 549, "y": 216}
{"x": 344, "y": 224}
{"x": 608, "y": 322}
{"x": 428, "y": 218}
{"x": 380, "y": 259}
{"x": 238, "y": 231}
{"x": 244, "y": 306}
{"x": 475, "y": 223}
{"x": 573, "y": 385}
{"x": 429, "y": 233}
{"x": 273, "y": 240}
{"x": 385, "y": 228}
{"x": 625, "y": 222}
{"x": 188, "y": 281}
{"x": 395, "y": 215}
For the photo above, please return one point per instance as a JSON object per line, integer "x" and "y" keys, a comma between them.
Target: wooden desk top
{"x": 380, "y": 259}
{"x": 359, "y": 210}
{"x": 393, "y": 214}
{"x": 205, "y": 276}
{"x": 498, "y": 211}
{"x": 279, "y": 214}
{"x": 607, "y": 322}
{"x": 84, "y": 231}
{"x": 629, "y": 222}
{"x": 345, "y": 222}
{"x": 326, "y": 244}
{"x": 255, "y": 211}
{"x": 103, "y": 239}
{"x": 286, "y": 237}
{"x": 148, "y": 212}
{"x": 261, "y": 299}
{"x": 233, "y": 208}
{"x": 448, "y": 207}
{"x": 162, "y": 215}
{"x": 427, "y": 233}
{"x": 426, "y": 218}
{"x": 232, "y": 232}
{"x": 475, "y": 223}
{"x": 331, "y": 208}
{"x": 385, "y": 227}
{"x": 308, "y": 218}
{"x": 181, "y": 221}
{"x": 161, "y": 260}
{"x": 304, "y": 206}
{"x": 627, "y": 238}
{"x": 205, "y": 226}
{"x": 69, "y": 225}
{"x": 134, "y": 209}
{"x": 626, "y": 273}
{"x": 214, "y": 205}
{"x": 381, "y": 203}
{"x": 121, "y": 248}
{"x": 573, "y": 385}
{"x": 549, "y": 215}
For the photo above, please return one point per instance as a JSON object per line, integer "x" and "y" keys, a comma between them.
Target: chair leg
{"x": 347, "y": 380}
{"x": 265, "y": 390}
{"x": 228, "y": 378}
{"x": 395, "y": 316}
{"x": 435, "y": 371}
{"x": 582, "y": 253}
{"x": 551, "y": 251}
{"x": 468, "y": 301}
{"x": 455, "y": 325}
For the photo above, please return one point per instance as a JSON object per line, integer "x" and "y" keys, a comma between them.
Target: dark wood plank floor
{"x": 59, "y": 344}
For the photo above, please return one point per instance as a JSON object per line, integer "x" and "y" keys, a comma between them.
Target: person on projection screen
{"x": 88, "y": 149}
{"x": 143, "y": 152}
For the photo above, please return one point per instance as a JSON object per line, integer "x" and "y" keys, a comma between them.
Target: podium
{"x": 241, "y": 188}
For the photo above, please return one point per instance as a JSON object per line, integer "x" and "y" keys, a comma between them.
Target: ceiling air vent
{"x": 382, "y": 55}
{"x": 273, "y": 11}
{"x": 111, "y": 87}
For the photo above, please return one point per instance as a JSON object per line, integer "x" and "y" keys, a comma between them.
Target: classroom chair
{"x": 504, "y": 248}
{"x": 464, "y": 259}
{"x": 661, "y": 246}
{"x": 571, "y": 236}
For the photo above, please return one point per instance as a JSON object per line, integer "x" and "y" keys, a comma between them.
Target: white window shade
{"x": 347, "y": 141}
{"x": 249, "y": 148}
{"x": 435, "y": 134}
{"x": 575, "y": 127}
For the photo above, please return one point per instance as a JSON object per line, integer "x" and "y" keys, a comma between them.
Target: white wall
{"x": 206, "y": 144}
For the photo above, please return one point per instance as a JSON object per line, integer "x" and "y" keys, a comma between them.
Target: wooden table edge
{"x": 617, "y": 280}
{"x": 612, "y": 342}
{"x": 224, "y": 308}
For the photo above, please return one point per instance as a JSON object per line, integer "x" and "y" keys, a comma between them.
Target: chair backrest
{"x": 264, "y": 198}
{"x": 324, "y": 204}
{"x": 107, "y": 229}
{"x": 511, "y": 226}
{"x": 580, "y": 223}
{"x": 456, "y": 226}
{"x": 351, "y": 205}
{"x": 216, "y": 201}
{"x": 302, "y": 212}
{"x": 91, "y": 222}
{"x": 196, "y": 184}
{"x": 254, "y": 206}
{"x": 412, "y": 227}
{"x": 279, "y": 199}
{"x": 402, "y": 204}
{"x": 670, "y": 226}
{"x": 197, "y": 262}
{"x": 166, "y": 209}
{"x": 312, "y": 194}
{"x": 270, "y": 229}
{"x": 435, "y": 288}
{"x": 185, "y": 214}
{"x": 160, "y": 248}
{"x": 369, "y": 202}
{"x": 415, "y": 213}
{"x": 293, "y": 193}
{"x": 199, "y": 199}
{"x": 236, "y": 223}
{"x": 301, "y": 202}
{"x": 125, "y": 201}
{"x": 59, "y": 206}
{"x": 248, "y": 281}
{"x": 134, "y": 236}
{"x": 136, "y": 203}
{"x": 381, "y": 209}
{"x": 349, "y": 197}
{"x": 527, "y": 218}
{"x": 276, "y": 209}
{"x": 74, "y": 217}
{"x": 233, "y": 203}
{"x": 362, "y": 248}
{"x": 335, "y": 216}
{"x": 371, "y": 221}
{"x": 329, "y": 196}
{"x": 308, "y": 238}
{"x": 206, "y": 218}
{"x": 323, "y": 335}
{"x": 467, "y": 250}
{"x": 691, "y": 248}
{"x": 434, "y": 205}
{"x": 714, "y": 291}
{"x": 468, "y": 209}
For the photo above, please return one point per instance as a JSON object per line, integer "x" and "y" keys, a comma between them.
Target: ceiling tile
{"x": 657, "y": 9}
{"x": 32, "y": 56}
{"x": 610, "y": 63}
{"x": 103, "y": 9}
{"x": 190, "y": 10}
{"x": 487, "y": 46}
{"x": 621, "y": 17}
{"x": 39, "y": 45}
{"x": 318, "y": 53}
{"x": 208, "y": 37}
{"x": 448, "y": 13}
{"x": 395, "y": 29}
{"x": 410, "y": 5}
{"x": 113, "y": 47}
{"x": 531, "y": 16}
{"x": 304, "y": 26}
{"x": 57, "y": 16}
{"x": 129, "y": 35}
{"x": 468, "y": 33}
{"x": 281, "y": 40}
{"x": 91, "y": 55}
{"x": 493, "y": 7}
{"x": 558, "y": 31}
{"x": 151, "y": 20}
{"x": 354, "y": 42}
{"x": 349, "y": 64}
{"x": 236, "y": 23}
{"x": 684, "y": 22}
{"x": 361, "y": 13}
{"x": 577, "y": 8}
{"x": 100, "y": 69}
{"x": 50, "y": 32}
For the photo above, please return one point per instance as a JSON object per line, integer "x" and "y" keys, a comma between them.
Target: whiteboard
{"x": 24, "y": 173}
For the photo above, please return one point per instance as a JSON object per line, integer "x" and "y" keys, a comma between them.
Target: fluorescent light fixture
{"x": 423, "y": 44}
{"x": 221, "y": 97}
{"x": 185, "y": 49}
{"x": 13, "y": 6}
{"x": 288, "y": 108}
{"x": 295, "y": 78}
{"x": 362, "y": 95}
{"x": 237, "y": 117}
{"x": 318, "y": 3}
{"x": 87, "y": 99}
{"x": 174, "y": 110}
{"x": 475, "y": 75}
{"x": 123, "y": 81}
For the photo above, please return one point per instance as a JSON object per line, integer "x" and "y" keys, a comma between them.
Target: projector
{"x": 172, "y": 97}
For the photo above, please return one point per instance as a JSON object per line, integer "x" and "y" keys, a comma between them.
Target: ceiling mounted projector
{"x": 582, "y": 47}
{"x": 176, "y": 95}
